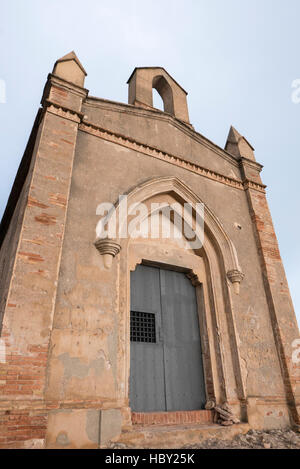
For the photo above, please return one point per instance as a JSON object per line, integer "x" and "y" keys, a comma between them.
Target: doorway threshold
{"x": 202, "y": 417}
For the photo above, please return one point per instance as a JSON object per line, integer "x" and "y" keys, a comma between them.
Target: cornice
{"x": 167, "y": 157}
{"x": 252, "y": 164}
{"x": 160, "y": 115}
{"x": 254, "y": 185}
{"x": 128, "y": 142}
{"x": 148, "y": 150}
{"x": 62, "y": 111}
{"x": 54, "y": 79}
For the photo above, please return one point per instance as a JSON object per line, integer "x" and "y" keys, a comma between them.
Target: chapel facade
{"x": 139, "y": 340}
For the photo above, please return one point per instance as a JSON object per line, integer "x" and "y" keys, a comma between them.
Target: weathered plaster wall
{"x": 65, "y": 382}
{"x": 29, "y": 310}
{"x": 85, "y": 336}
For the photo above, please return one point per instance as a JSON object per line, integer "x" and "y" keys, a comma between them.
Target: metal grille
{"x": 142, "y": 327}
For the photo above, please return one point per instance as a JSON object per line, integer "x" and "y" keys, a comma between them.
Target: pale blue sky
{"x": 236, "y": 58}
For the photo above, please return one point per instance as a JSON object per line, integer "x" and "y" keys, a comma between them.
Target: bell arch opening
{"x": 160, "y": 84}
{"x": 157, "y": 100}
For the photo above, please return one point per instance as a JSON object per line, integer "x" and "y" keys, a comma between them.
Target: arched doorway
{"x": 208, "y": 270}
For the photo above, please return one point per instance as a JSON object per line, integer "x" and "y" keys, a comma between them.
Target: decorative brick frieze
{"x": 151, "y": 151}
{"x": 156, "y": 153}
{"x": 253, "y": 185}
{"x": 63, "y": 111}
{"x": 152, "y": 113}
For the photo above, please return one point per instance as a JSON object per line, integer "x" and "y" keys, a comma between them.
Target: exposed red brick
{"x": 58, "y": 199}
{"x": 31, "y": 257}
{"x": 172, "y": 418}
{"x": 35, "y": 203}
{"x": 67, "y": 141}
{"x": 46, "y": 219}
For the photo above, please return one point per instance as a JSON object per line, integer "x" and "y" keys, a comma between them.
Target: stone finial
{"x": 238, "y": 146}
{"x": 235, "y": 277}
{"x": 108, "y": 249}
{"x": 70, "y": 69}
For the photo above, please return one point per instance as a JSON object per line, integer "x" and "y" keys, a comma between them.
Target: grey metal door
{"x": 166, "y": 370}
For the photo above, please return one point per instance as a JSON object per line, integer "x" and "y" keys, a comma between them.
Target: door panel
{"x": 147, "y": 391}
{"x": 181, "y": 341}
{"x": 165, "y": 375}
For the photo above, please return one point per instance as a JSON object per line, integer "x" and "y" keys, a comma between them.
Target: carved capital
{"x": 193, "y": 278}
{"x": 235, "y": 277}
{"x": 108, "y": 249}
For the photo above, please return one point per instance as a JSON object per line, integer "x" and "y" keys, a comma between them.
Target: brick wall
{"x": 22, "y": 428}
{"x": 28, "y": 314}
{"x": 285, "y": 328}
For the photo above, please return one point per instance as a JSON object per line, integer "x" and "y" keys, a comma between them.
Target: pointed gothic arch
{"x": 164, "y": 89}
{"x": 213, "y": 226}
{"x": 210, "y": 266}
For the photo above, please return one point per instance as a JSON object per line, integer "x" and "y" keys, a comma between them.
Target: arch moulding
{"x": 218, "y": 258}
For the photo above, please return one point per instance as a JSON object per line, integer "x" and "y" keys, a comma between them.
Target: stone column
{"x": 281, "y": 309}
{"x": 282, "y": 315}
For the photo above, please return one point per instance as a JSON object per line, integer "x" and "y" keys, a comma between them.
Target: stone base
{"x": 263, "y": 415}
{"x": 175, "y": 436}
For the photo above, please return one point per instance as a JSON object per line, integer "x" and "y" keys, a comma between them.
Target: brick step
{"x": 172, "y": 418}
{"x": 174, "y": 436}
